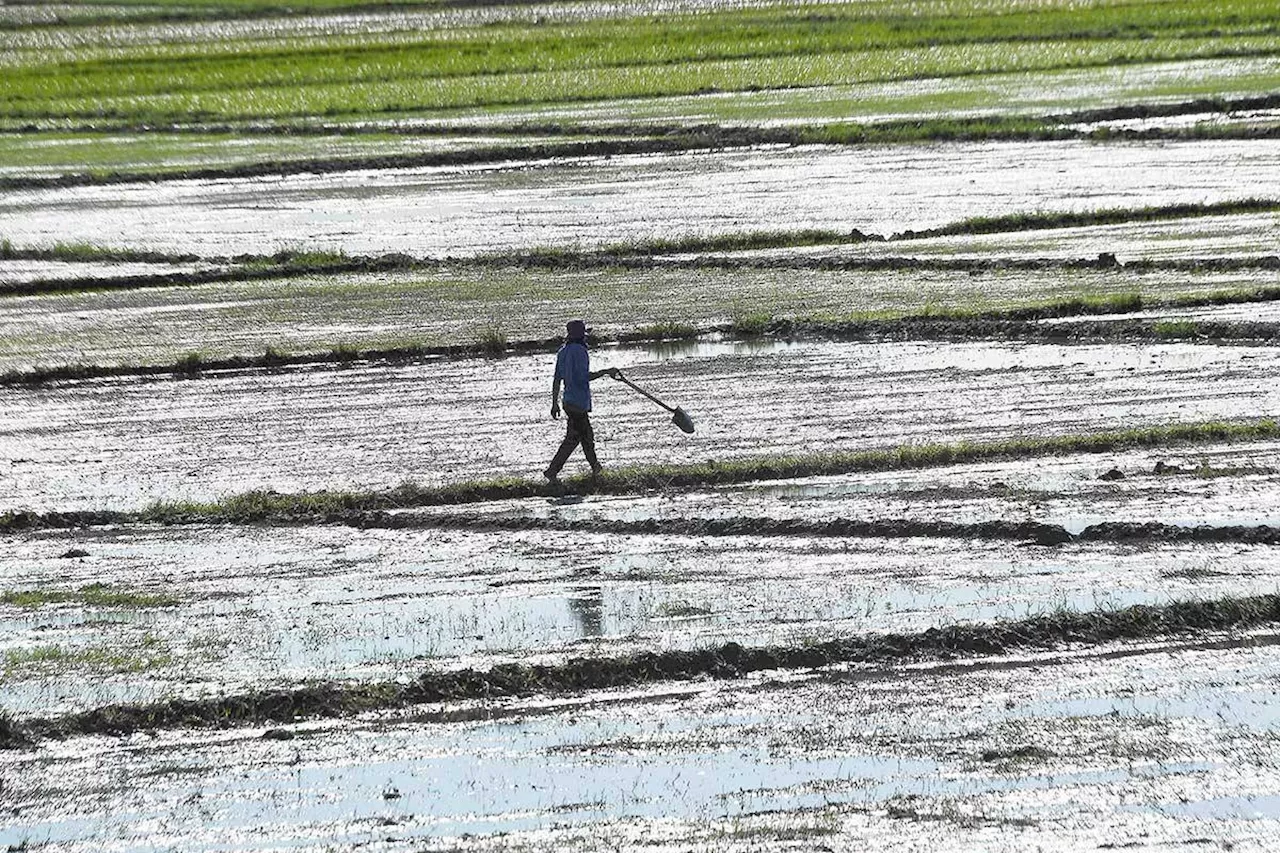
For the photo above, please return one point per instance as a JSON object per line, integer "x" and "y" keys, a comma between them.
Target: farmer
{"x": 573, "y": 371}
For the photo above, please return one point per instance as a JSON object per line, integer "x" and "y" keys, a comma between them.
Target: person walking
{"x": 574, "y": 375}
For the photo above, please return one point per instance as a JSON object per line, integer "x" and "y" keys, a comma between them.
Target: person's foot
{"x": 553, "y": 477}
{"x": 596, "y": 471}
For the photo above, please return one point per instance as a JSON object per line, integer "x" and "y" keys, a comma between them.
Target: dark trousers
{"x": 577, "y": 431}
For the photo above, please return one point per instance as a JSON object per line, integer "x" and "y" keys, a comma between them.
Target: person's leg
{"x": 588, "y": 437}
{"x": 571, "y": 440}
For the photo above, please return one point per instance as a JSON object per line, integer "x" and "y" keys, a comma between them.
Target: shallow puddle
{"x": 1107, "y": 746}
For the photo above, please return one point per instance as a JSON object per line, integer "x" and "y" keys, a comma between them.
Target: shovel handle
{"x": 627, "y": 381}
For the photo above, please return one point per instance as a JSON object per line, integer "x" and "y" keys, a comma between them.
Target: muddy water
{"x": 21, "y": 272}
{"x": 125, "y": 443}
{"x": 459, "y": 211}
{"x": 1211, "y": 237}
{"x": 264, "y": 606}
{"x": 1151, "y": 748}
{"x": 1222, "y": 485}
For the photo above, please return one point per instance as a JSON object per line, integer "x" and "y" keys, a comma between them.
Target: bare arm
{"x": 608, "y": 371}
{"x": 555, "y": 397}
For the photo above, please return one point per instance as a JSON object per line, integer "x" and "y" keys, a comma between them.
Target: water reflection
{"x": 709, "y": 346}
{"x": 587, "y": 606}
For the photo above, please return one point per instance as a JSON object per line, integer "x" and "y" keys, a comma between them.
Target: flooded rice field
{"x": 221, "y": 610}
{"x": 463, "y": 211}
{"x": 158, "y": 325}
{"x": 24, "y": 155}
{"x": 1167, "y": 746}
{"x": 282, "y": 26}
{"x": 1215, "y": 485}
{"x": 1034, "y": 92}
{"x": 1198, "y": 238}
{"x": 125, "y": 443}
{"x": 1068, "y": 641}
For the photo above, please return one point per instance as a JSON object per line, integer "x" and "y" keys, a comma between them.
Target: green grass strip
{"x": 93, "y": 595}
{"x": 1105, "y": 216}
{"x": 1142, "y": 622}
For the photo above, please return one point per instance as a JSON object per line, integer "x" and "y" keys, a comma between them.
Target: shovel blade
{"x": 681, "y": 419}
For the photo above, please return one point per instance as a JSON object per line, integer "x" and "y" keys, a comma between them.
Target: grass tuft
{"x": 750, "y": 325}
{"x": 190, "y": 365}
{"x": 493, "y": 340}
{"x": 1104, "y": 216}
{"x": 1177, "y": 328}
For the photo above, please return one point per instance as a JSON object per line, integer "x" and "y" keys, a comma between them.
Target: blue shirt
{"x": 573, "y": 367}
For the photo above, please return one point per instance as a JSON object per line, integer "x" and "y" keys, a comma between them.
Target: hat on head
{"x": 575, "y": 329}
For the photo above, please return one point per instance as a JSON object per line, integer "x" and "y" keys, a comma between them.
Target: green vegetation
{"x": 750, "y": 325}
{"x": 144, "y": 655}
{"x": 493, "y": 340}
{"x": 1177, "y": 328}
{"x": 665, "y": 331}
{"x": 93, "y": 595}
{"x": 727, "y": 50}
{"x": 344, "y": 353}
{"x": 190, "y": 365}
{"x": 88, "y": 253}
{"x": 1067, "y": 219}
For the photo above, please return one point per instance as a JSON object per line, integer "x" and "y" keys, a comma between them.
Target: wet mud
{"x": 1023, "y": 531}
{"x": 730, "y": 660}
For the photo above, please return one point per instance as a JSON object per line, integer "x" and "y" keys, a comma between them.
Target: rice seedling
{"x": 92, "y": 595}
{"x": 728, "y": 50}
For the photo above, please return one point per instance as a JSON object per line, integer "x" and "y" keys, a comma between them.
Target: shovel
{"x": 679, "y": 416}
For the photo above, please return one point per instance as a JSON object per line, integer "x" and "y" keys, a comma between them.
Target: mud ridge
{"x": 981, "y": 329}
{"x": 1181, "y": 108}
{"x": 729, "y": 661}
{"x": 709, "y": 256}
{"x": 1021, "y": 531}
{"x": 1044, "y": 534}
{"x": 1077, "y": 219}
{"x": 195, "y": 367}
{"x": 1153, "y": 531}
